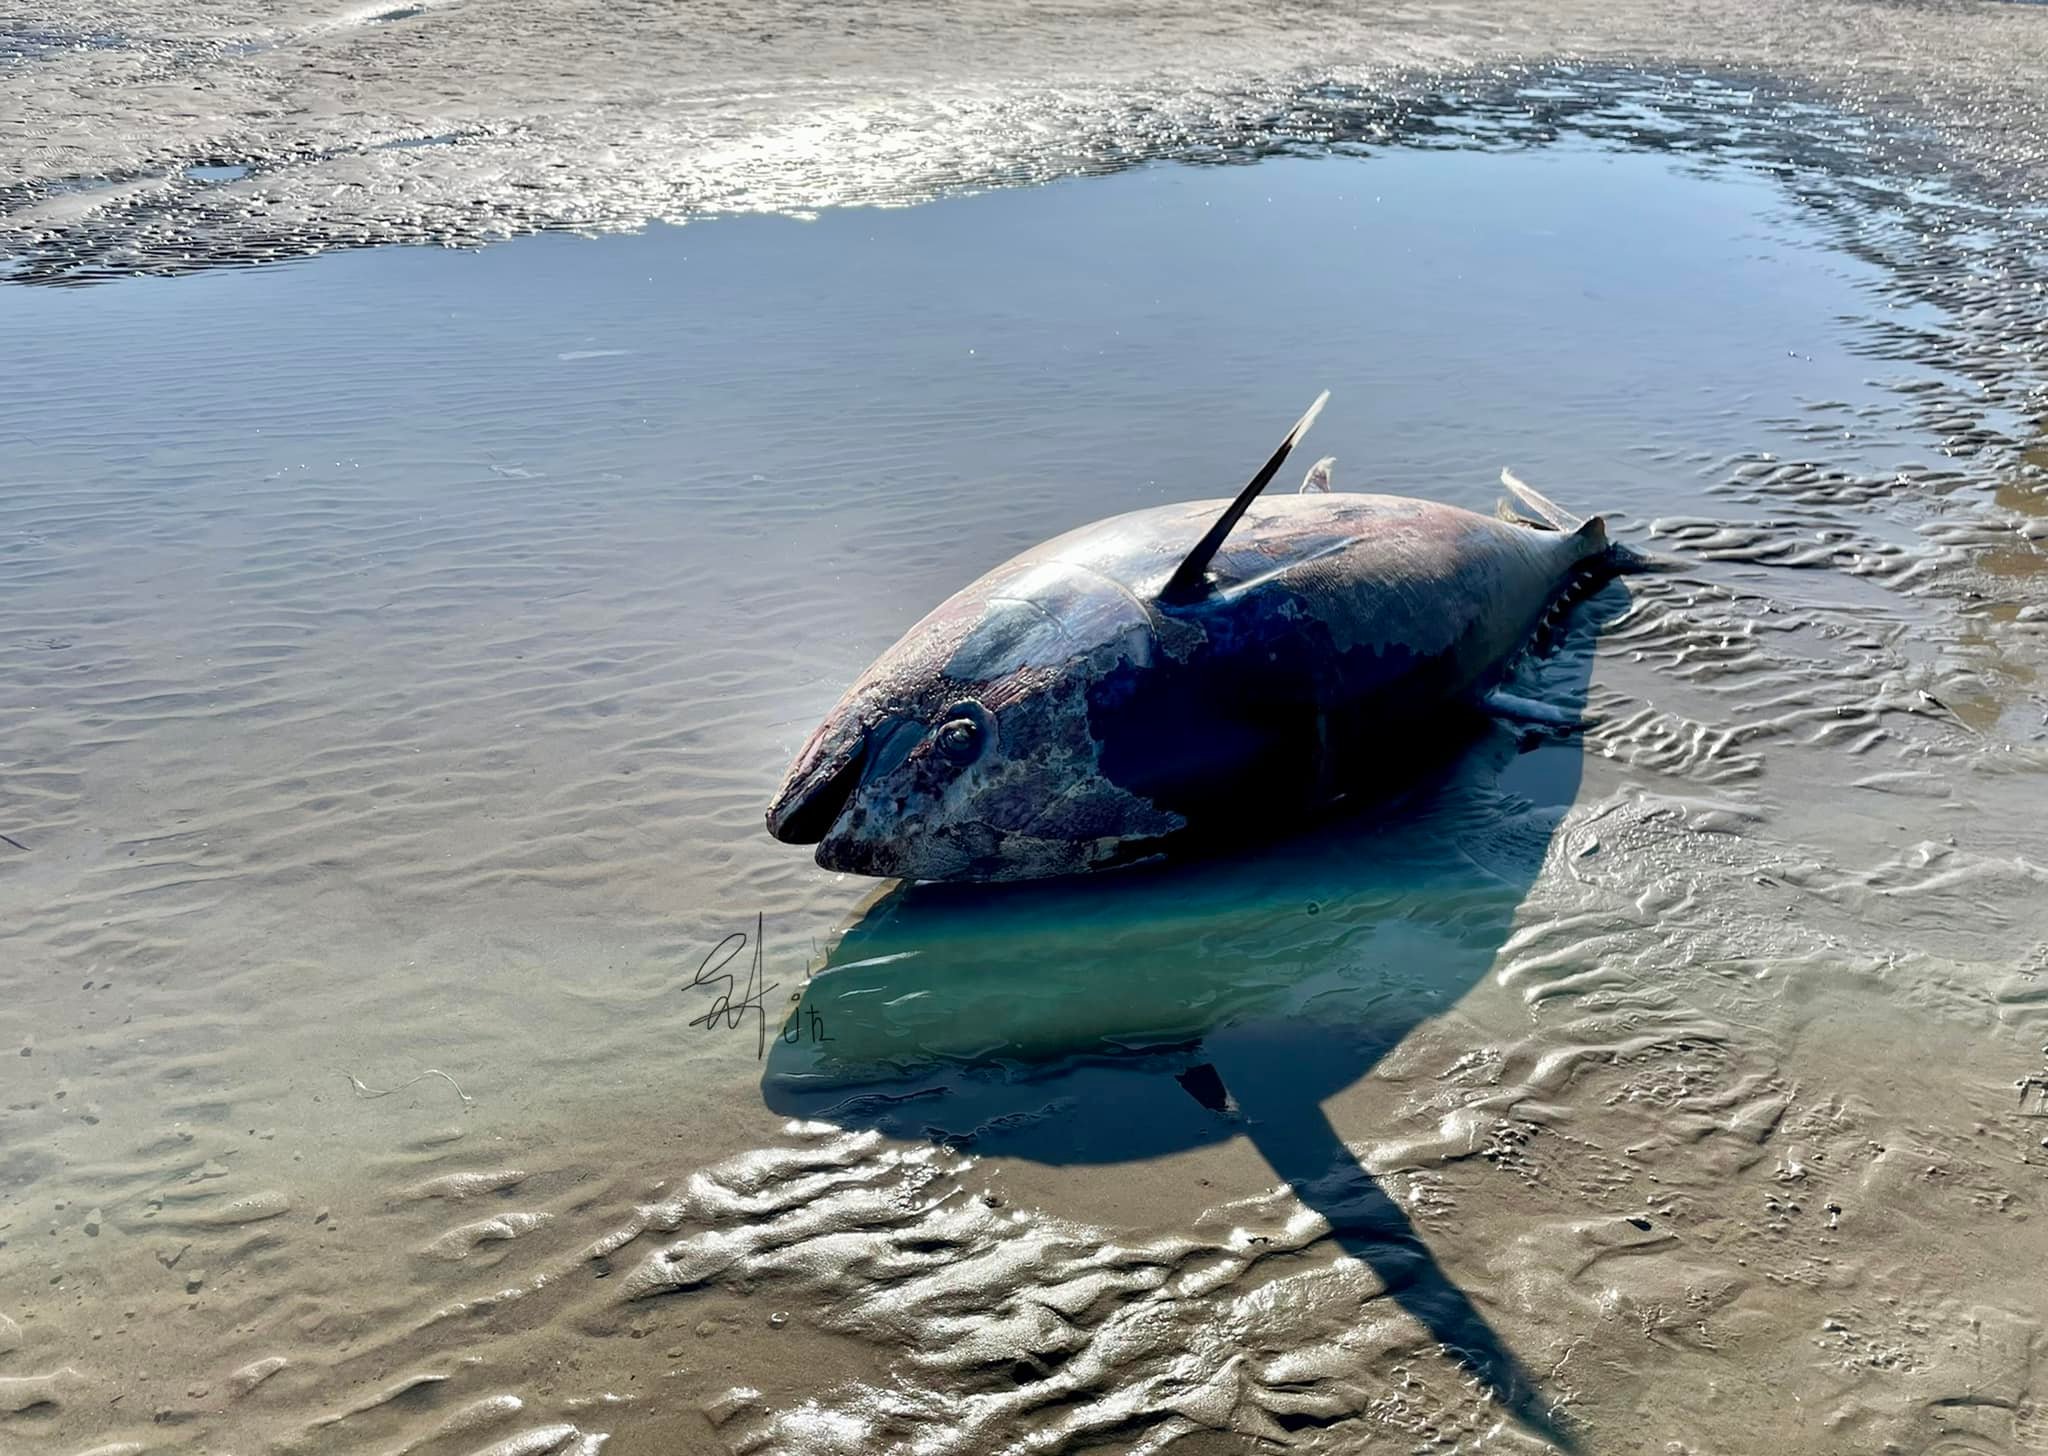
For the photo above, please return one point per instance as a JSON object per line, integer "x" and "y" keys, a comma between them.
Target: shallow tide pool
{"x": 398, "y": 650}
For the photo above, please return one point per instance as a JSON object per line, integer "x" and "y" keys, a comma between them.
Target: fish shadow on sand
{"x": 1128, "y": 1016}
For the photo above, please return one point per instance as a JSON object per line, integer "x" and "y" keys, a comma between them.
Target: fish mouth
{"x": 819, "y": 786}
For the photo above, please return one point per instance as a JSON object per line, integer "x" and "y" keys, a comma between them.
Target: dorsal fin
{"x": 1189, "y": 579}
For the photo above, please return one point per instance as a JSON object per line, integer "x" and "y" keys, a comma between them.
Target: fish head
{"x": 966, "y": 751}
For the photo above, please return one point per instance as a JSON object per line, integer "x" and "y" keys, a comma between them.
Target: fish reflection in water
{"x": 1090, "y": 1021}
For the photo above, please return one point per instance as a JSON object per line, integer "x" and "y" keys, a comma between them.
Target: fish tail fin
{"x": 1625, "y": 560}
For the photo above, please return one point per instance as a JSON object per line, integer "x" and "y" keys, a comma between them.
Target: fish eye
{"x": 960, "y": 739}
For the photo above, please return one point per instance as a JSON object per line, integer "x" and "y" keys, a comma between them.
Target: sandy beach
{"x": 399, "y": 646}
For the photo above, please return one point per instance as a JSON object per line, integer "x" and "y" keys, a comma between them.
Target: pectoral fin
{"x": 1189, "y": 580}
{"x": 1518, "y": 709}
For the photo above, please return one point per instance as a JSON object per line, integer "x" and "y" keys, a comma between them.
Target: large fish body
{"x": 1076, "y": 708}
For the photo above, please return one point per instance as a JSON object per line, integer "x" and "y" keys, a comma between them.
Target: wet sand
{"x": 400, "y": 648}
{"x": 285, "y": 127}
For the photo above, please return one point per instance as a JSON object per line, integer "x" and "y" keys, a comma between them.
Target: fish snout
{"x": 820, "y": 783}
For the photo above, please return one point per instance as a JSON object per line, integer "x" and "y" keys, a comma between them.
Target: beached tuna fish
{"x": 1195, "y": 672}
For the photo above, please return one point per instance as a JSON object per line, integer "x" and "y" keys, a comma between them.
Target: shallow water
{"x": 400, "y": 649}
